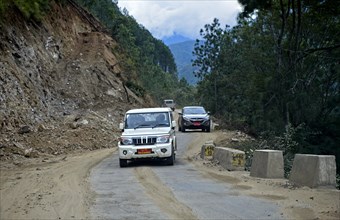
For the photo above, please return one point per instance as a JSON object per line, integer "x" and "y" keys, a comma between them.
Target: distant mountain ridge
{"x": 182, "y": 53}
{"x": 174, "y": 39}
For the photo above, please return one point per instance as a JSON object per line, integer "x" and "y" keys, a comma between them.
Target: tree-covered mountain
{"x": 183, "y": 54}
{"x": 277, "y": 74}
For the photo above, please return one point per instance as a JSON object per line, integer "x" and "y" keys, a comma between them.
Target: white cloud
{"x": 186, "y": 17}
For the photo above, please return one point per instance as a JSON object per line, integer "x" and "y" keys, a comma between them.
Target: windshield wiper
{"x": 156, "y": 125}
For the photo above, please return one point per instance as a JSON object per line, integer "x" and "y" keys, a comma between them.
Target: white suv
{"x": 169, "y": 103}
{"x": 147, "y": 133}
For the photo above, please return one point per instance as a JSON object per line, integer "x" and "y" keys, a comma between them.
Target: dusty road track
{"x": 162, "y": 195}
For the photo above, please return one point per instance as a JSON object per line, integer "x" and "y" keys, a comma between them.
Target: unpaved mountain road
{"x": 91, "y": 186}
{"x": 155, "y": 191}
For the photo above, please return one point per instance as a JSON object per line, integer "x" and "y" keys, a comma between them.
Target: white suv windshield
{"x": 147, "y": 120}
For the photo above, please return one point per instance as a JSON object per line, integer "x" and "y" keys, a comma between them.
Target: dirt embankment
{"x": 61, "y": 85}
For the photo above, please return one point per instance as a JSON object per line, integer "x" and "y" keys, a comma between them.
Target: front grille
{"x": 144, "y": 140}
{"x": 196, "y": 120}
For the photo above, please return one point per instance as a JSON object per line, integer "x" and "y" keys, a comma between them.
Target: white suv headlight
{"x": 163, "y": 139}
{"x": 126, "y": 141}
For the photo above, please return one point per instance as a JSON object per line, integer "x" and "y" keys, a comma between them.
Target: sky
{"x": 163, "y": 18}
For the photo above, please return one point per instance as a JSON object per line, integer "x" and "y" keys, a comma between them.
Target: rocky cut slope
{"x": 61, "y": 86}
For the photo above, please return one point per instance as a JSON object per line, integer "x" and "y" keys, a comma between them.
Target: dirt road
{"x": 54, "y": 189}
{"x": 152, "y": 190}
{"x": 61, "y": 188}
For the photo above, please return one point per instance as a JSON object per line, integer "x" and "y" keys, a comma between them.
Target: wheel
{"x": 123, "y": 162}
{"x": 171, "y": 160}
{"x": 207, "y": 129}
{"x": 179, "y": 128}
{"x": 182, "y": 128}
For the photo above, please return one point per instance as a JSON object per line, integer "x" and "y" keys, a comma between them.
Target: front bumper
{"x": 129, "y": 152}
{"x": 196, "y": 124}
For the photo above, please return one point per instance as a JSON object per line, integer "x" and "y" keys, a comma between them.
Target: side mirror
{"x": 121, "y": 126}
{"x": 174, "y": 124}
{"x": 180, "y": 113}
{"x": 208, "y": 113}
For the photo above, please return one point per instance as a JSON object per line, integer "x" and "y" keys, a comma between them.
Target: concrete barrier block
{"x": 215, "y": 126}
{"x": 267, "y": 164}
{"x": 230, "y": 159}
{"x": 207, "y": 149}
{"x": 313, "y": 171}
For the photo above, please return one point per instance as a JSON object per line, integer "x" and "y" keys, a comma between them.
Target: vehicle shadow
{"x": 192, "y": 131}
{"x": 146, "y": 162}
{"x": 154, "y": 163}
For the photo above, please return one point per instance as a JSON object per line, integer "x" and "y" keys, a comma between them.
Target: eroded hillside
{"x": 61, "y": 85}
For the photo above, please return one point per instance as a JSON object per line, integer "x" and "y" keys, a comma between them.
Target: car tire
{"x": 123, "y": 162}
{"x": 207, "y": 129}
{"x": 183, "y": 129}
{"x": 171, "y": 160}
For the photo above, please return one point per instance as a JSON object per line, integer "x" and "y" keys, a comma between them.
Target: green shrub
{"x": 4, "y": 5}
{"x": 137, "y": 89}
{"x": 34, "y": 9}
{"x": 289, "y": 143}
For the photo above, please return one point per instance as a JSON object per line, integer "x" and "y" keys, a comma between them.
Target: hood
{"x": 146, "y": 131}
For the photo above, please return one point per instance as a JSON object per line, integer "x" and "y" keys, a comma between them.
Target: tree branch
{"x": 322, "y": 48}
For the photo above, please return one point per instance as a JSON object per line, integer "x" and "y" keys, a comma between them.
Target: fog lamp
{"x": 163, "y": 150}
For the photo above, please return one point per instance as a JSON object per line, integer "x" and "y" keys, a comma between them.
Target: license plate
{"x": 197, "y": 124}
{"x": 143, "y": 151}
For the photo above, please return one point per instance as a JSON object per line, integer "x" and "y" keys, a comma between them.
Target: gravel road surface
{"x": 151, "y": 190}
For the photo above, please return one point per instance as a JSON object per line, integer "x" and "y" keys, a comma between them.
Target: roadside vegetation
{"x": 276, "y": 75}
{"x": 33, "y": 9}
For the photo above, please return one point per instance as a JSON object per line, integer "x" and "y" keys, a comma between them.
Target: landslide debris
{"x": 61, "y": 85}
